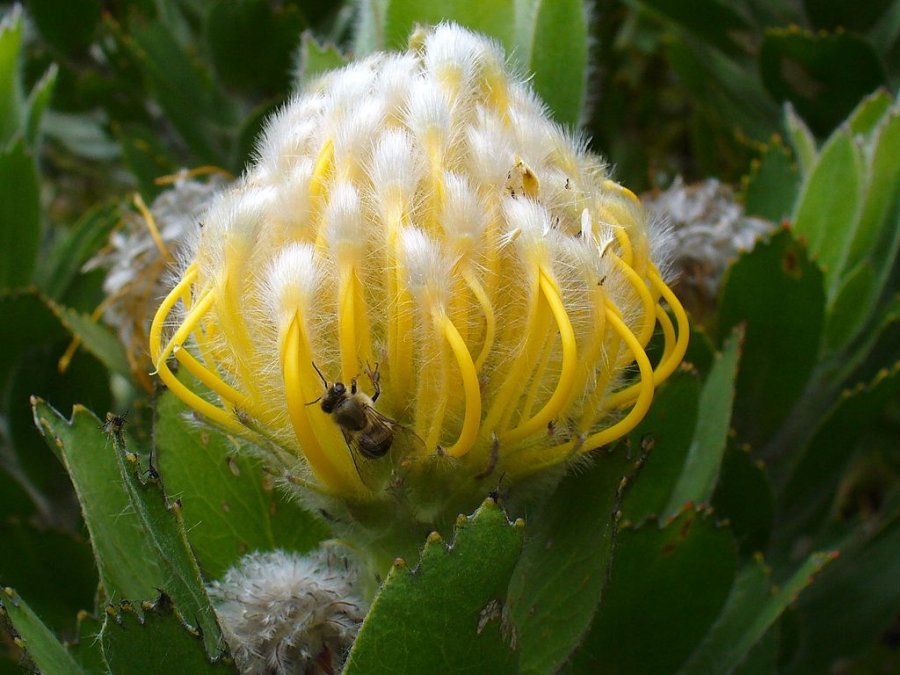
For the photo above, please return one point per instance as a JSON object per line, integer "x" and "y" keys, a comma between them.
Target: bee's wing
{"x": 412, "y": 439}
{"x": 380, "y": 427}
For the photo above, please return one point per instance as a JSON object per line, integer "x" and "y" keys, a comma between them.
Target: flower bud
{"x": 422, "y": 286}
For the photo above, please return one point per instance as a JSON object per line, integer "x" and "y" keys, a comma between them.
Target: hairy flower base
{"x": 417, "y": 222}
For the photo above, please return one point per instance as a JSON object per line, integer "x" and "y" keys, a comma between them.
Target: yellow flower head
{"x": 416, "y": 226}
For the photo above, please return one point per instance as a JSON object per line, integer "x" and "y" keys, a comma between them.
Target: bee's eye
{"x": 339, "y": 388}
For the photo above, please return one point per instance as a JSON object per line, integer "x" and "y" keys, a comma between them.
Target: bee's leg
{"x": 375, "y": 378}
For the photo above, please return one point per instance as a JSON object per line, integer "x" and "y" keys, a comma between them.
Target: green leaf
{"x": 666, "y": 431}
{"x": 83, "y": 134}
{"x": 235, "y": 28}
{"x": 316, "y": 58}
{"x": 704, "y": 456}
{"x": 876, "y": 235}
{"x": 745, "y": 497}
{"x": 163, "y": 525}
{"x": 714, "y": 22}
{"x": 771, "y": 188}
{"x": 751, "y": 610}
{"x": 851, "y": 306}
{"x": 700, "y": 352}
{"x": 35, "y": 324}
{"x": 20, "y": 214}
{"x": 870, "y": 111}
{"x": 721, "y": 89}
{"x": 126, "y": 562}
{"x": 229, "y": 506}
{"x": 87, "y": 650}
{"x": 30, "y": 561}
{"x": 551, "y": 42}
{"x": 824, "y": 75}
{"x": 37, "y": 103}
{"x": 146, "y": 156}
{"x": 160, "y": 640}
{"x": 369, "y": 34}
{"x": 11, "y": 97}
{"x": 185, "y": 91}
{"x": 67, "y": 26}
{"x": 95, "y": 337}
{"x": 820, "y": 465}
{"x": 492, "y": 18}
{"x": 801, "y": 139}
{"x": 668, "y": 585}
{"x": 780, "y": 295}
{"x": 829, "y": 204}
{"x": 63, "y": 263}
{"x": 36, "y": 372}
{"x": 138, "y": 538}
{"x": 834, "y": 14}
{"x": 39, "y": 643}
{"x": 557, "y": 585}
{"x": 447, "y": 614}
{"x": 852, "y": 602}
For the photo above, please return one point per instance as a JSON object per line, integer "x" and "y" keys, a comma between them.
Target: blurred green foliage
{"x": 750, "y": 524}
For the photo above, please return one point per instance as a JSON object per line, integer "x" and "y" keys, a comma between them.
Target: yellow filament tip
{"x": 151, "y": 226}
{"x": 490, "y": 322}
{"x": 472, "y": 421}
{"x": 560, "y": 396}
{"x": 668, "y": 365}
{"x": 645, "y": 397}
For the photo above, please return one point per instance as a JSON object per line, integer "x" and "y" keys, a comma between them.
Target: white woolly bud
{"x": 394, "y": 82}
{"x": 353, "y": 138}
{"x": 248, "y": 212}
{"x": 426, "y": 268}
{"x": 463, "y": 215}
{"x": 452, "y": 54}
{"x": 490, "y": 153}
{"x": 291, "y": 281}
{"x": 395, "y": 162}
{"x": 344, "y": 225}
{"x": 292, "y": 206}
{"x": 290, "y": 134}
{"x": 348, "y": 87}
{"x": 282, "y": 613}
{"x": 428, "y": 115}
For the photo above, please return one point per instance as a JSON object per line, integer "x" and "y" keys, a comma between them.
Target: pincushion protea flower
{"x": 416, "y": 221}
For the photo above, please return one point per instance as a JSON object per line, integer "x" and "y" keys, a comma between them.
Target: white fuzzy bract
{"x": 283, "y": 613}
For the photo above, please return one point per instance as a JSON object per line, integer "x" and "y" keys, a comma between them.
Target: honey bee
{"x": 365, "y": 429}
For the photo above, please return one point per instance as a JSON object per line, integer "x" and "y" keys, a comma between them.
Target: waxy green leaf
{"x": 156, "y": 641}
{"x": 138, "y": 537}
{"x": 829, "y": 204}
{"x": 446, "y": 614}
{"x": 666, "y": 433}
{"x": 780, "y": 295}
{"x": 20, "y": 217}
{"x": 315, "y": 59}
{"x": 822, "y": 74}
{"x": 668, "y": 584}
{"x": 771, "y": 188}
{"x": 230, "y": 505}
{"x": 704, "y": 456}
{"x": 572, "y": 537}
{"x": 752, "y": 608}
{"x": 39, "y": 643}
{"x": 551, "y": 42}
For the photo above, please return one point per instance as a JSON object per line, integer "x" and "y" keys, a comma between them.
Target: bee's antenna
{"x": 324, "y": 381}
